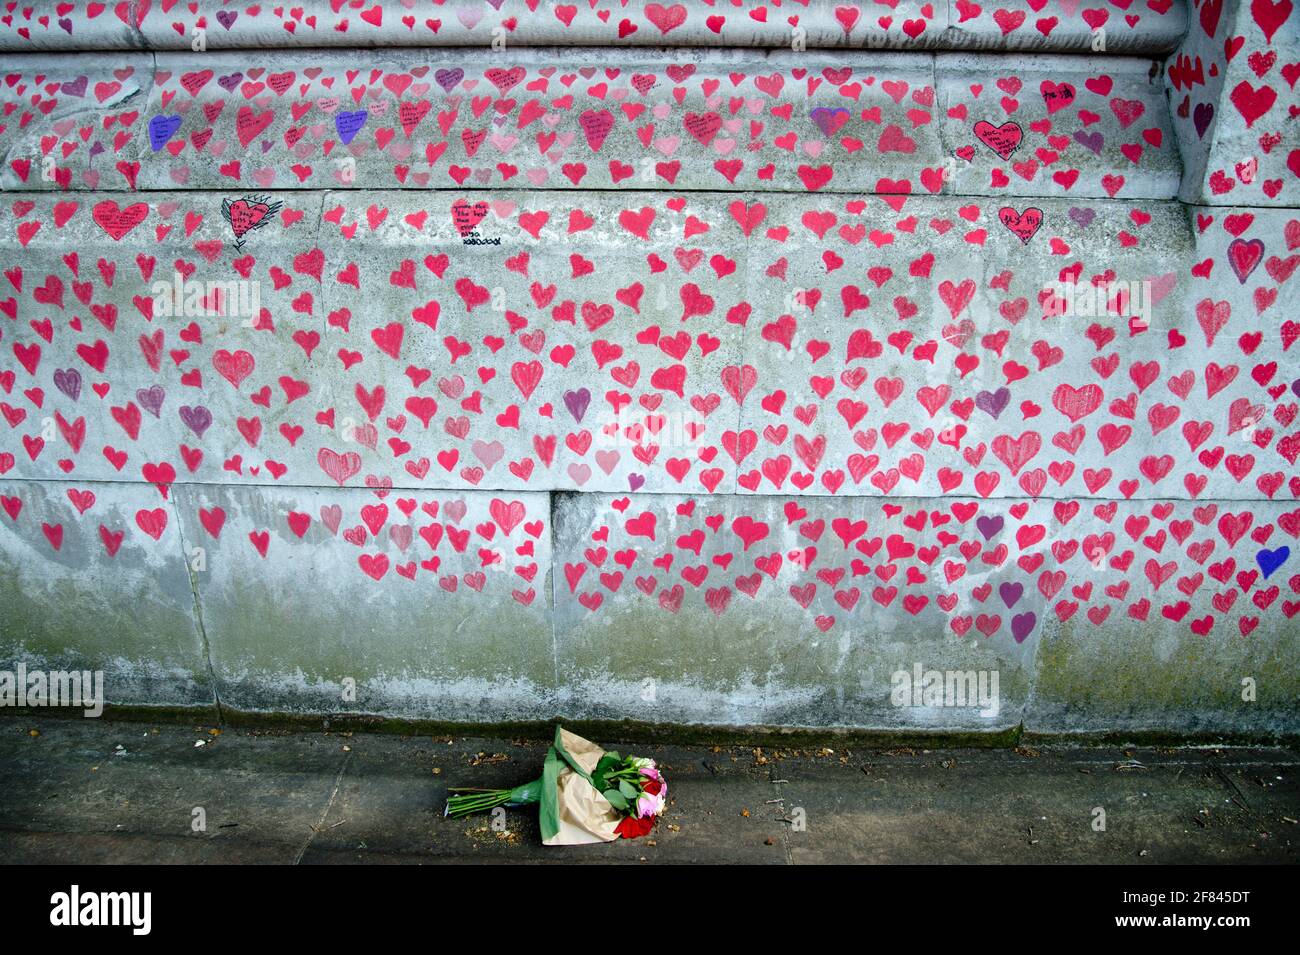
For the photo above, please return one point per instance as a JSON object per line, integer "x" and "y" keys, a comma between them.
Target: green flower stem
{"x": 465, "y": 802}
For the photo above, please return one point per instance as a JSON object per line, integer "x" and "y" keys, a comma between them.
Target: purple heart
{"x": 75, "y": 87}
{"x": 496, "y": 4}
{"x": 1202, "y": 116}
{"x": 227, "y": 17}
{"x": 228, "y": 83}
{"x": 66, "y": 25}
{"x": 635, "y": 481}
{"x": 1295, "y": 386}
{"x": 1011, "y": 593}
{"x": 1083, "y": 217}
{"x": 1092, "y": 141}
{"x": 196, "y": 419}
{"x": 577, "y": 402}
{"x": 448, "y": 79}
{"x": 989, "y": 526}
{"x": 829, "y": 120}
{"x": 151, "y": 399}
{"x": 161, "y": 129}
{"x": 993, "y": 402}
{"x": 96, "y": 148}
{"x": 348, "y": 124}
{"x": 1022, "y": 625}
{"x": 68, "y": 381}
{"x": 1244, "y": 255}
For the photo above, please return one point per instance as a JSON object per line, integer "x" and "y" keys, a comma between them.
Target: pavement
{"x": 96, "y": 791}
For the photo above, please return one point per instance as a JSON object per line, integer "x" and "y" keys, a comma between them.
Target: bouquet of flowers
{"x": 585, "y": 795}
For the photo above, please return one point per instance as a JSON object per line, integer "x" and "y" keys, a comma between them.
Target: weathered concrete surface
{"x": 1142, "y": 615}
{"x": 171, "y": 385}
{"x": 1125, "y": 615}
{"x": 635, "y": 342}
{"x": 419, "y": 605}
{"x": 1190, "y": 412}
{"x": 93, "y": 577}
{"x": 732, "y": 120}
{"x": 733, "y": 285}
{"x": 1232, "y": 83}
{"x": 83, "y": 106}
{"x": 541, "y": 359}
{"x": 316, "y": 799}
{"x": 1077, "y": 128}
{"x": 788, "y": 625}
{"x": 1175, "y": 624}
{"x": 1010, "y": 25}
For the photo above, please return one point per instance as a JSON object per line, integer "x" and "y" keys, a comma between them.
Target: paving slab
{"x": 1041, "y": 806}
{"x": 330, "y": 798}
{"x": 133, "y": 791}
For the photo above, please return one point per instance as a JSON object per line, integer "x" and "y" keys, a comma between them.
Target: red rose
{"x": 631, "y": 828}
{"x": 652, "y": 786}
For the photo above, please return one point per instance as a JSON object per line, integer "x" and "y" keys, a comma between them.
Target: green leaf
{"x": 627, "y": 789}
{"x": 600, "y": 775}
{"x": 549, "y": 812}
{"x": 616, "y": 799}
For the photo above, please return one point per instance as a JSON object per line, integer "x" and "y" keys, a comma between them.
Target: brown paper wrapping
{"x": 585, "y": 816}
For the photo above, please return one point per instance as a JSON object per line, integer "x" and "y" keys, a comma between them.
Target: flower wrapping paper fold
{"x": 573, "y": 813}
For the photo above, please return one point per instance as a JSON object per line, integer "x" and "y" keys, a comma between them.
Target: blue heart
{"x": 349, "y": 124}
{"x": 161, "y": 129}
{"x": 1271, "y": 560}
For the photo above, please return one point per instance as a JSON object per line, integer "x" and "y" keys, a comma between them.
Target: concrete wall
{"x": 1232, "y": 83}
{"x": 685, "y": 386}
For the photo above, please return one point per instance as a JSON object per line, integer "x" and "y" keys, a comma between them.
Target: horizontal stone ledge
{"x": 643, "y": 342}
{"x": 966, "y": 124}
{"x": 1010, "y": 25}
